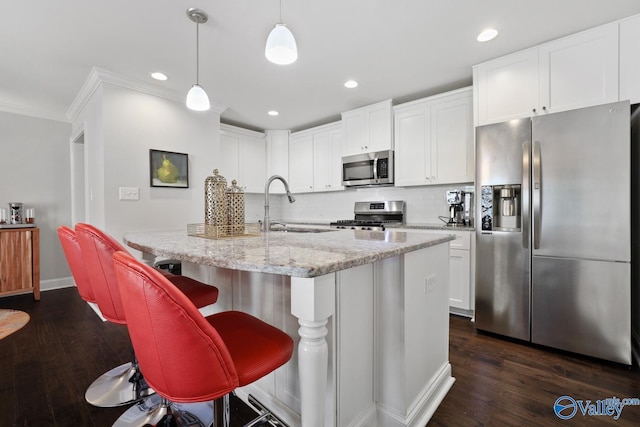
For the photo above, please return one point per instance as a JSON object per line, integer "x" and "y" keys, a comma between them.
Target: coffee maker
{"x": 454, "y": 199}
{"x": 460, "y": 207}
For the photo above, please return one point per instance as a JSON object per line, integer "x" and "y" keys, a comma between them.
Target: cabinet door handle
{"x": 544, "y": 108}
{"x": 534, "y": 110}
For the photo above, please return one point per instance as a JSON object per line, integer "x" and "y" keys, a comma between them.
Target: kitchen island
{"x": 368, "y": 311}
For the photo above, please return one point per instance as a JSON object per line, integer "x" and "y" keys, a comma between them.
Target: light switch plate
{"x": 129, "y": 193}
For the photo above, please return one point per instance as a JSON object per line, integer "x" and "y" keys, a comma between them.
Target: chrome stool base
{"x": 264, "y": 415}
{"x": 151, "y": 411}
{"x": 121, "y": 385}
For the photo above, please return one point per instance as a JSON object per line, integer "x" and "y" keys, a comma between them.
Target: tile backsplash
{"x": 424, "y": 204}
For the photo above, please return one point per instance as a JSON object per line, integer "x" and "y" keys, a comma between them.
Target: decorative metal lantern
{"x": 235, "y": 205}
{"x": 215, "y": 200}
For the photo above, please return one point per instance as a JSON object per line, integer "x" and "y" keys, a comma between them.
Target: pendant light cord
{"x": 198, "y": 53}
{"x": 281, "y": 11}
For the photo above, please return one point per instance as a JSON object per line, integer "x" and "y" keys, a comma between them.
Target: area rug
{"x": 11, "y": 321}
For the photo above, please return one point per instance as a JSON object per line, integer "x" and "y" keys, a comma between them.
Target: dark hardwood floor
{"x": 510, "y": 383}
{"x": 46, "y": 367}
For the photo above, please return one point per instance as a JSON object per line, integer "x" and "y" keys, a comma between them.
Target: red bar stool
{"x": 225, "y": 350}
{"x": 108, "y": 387}
{"x": 73, "y": 254}
{"x": 123, "y": 384}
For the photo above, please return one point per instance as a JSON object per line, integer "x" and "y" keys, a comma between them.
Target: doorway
{"x": 78, "y": 194}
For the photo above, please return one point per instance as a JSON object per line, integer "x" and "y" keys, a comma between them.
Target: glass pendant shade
{"x": 197, "y": 99}
{"x": 281, "y": 46}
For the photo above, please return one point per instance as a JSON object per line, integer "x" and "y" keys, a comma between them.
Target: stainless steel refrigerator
{"x": 553, "y": 197}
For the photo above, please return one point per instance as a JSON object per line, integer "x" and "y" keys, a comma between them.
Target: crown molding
{"x": 27, "y": 111}
{"x": 97, "y": 76}
{"x": 225, "y": 127}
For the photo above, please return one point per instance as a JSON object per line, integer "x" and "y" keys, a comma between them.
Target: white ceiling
{"x": 401, "y": 49}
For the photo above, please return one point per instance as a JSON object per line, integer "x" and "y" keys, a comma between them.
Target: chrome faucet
{"x": 266, "y": 224}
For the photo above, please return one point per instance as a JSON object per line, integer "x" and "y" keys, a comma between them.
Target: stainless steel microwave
{"x": 368, "y": 169}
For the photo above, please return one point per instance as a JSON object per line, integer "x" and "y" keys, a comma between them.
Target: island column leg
{"x": 313, "y": 302}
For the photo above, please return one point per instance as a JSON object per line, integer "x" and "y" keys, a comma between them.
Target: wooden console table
{"x": 20, "y": 261}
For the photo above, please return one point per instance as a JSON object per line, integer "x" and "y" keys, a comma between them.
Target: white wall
{"x": 131, "y": 123}
{"x": 35, "y": 166}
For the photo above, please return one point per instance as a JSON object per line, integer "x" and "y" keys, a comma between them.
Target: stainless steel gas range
{"x": 373, "y": 216}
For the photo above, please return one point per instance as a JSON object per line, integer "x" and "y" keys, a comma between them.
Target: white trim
{"x": 51, "y": 284}
{"x": 28, "y": 111}
{"x": 89, "y": 86}
{"x": 72, "y": 156}
{"x": 97, "y": 76}
{"x": 242, "y": 131}
{"x": 425, "y": 406}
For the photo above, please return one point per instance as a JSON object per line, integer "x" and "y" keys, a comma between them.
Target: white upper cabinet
{"x": 327, "y": 158}
{"x": 434, "y": 140}
{"x": 301, "y": 163}
{"x": 243, "y": 157}
{"x": 277, "y": 158}
{"x": 507, "y": 87}
{"x": 316, "y": 159}
{"x": 368, "y": 129}
{"x": 573, "y": 72}
{"x": 580, "y": 70}
{"x": 630, "y": 59}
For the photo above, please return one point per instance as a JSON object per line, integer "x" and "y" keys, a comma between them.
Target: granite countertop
{"x": 432, "y": 226}
{"x": 288, "y": 254}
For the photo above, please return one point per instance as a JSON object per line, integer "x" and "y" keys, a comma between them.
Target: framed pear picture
{"x": 168, "y": 169}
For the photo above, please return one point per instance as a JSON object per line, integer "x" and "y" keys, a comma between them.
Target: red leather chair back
{"x": 182, "y": 356}
{"x": 73, "y": 253}
{"x": 97, "y": 251}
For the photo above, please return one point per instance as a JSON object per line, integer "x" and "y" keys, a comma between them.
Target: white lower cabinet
{"x": 461, "y": 270}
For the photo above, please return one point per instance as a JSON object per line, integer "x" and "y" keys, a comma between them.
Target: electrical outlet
{"x": 129, "y": 193}
{"x": 430, "y": 284}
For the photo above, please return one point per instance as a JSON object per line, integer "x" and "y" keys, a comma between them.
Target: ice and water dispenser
{"x": 501, "y": 207}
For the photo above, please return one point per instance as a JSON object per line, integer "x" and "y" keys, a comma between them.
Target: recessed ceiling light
{"x": 159, "y": 76}
{"x": 487, "y": 34}
{"x": 273, "y": 113}
{"x": 351, "y": 84}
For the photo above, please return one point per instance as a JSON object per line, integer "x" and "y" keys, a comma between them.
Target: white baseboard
{"x": 51, "y": 284}
{"x": 424, "y": 407}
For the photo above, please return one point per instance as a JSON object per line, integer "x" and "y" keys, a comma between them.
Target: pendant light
{"x": 281, "y": 46}
{"x": 197, "y": 98}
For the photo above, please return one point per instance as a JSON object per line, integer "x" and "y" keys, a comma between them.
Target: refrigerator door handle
{"x": 526, "y": 173}
{"x": 537, "y": 194}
